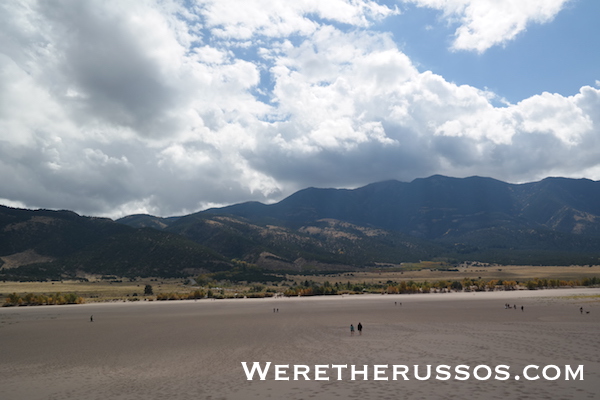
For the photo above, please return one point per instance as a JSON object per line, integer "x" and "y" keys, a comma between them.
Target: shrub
{"x": 13, "y": 299}
{"x": 148, "y": 290}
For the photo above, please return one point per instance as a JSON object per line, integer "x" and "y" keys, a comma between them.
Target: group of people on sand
{"x": 508, "y": 306}
{"x": 358, "y": 327}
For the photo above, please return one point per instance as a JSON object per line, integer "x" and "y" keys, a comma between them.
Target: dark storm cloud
{"x": 103, "y": 64}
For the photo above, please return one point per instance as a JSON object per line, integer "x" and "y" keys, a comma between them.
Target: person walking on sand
{"x": 359, "y": 326}
{"x": 91, "y": 318}
{"x": 351, "y": 330}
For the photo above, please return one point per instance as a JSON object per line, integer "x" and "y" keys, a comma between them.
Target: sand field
{"x": 194, "y": 349}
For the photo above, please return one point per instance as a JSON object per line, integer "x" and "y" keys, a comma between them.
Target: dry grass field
{"x": 97, "y": 289}
{"x": 429, "y": 272}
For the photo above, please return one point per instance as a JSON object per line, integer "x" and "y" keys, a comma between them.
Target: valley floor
{"x": 97, "y": 289}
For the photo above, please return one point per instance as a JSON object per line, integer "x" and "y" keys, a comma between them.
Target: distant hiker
{"x": 351, "y": 330}
{"x": 359, "y": 326}
{"x": 521, "y": 308}
{"x": 395, "y": 303}
{"x": 278, "y": 310}
{"x": 91, "y": 318}
{"x": 515, "y": 306}
{"x": 273, "y": 310}
{"x": 581, "y": 310}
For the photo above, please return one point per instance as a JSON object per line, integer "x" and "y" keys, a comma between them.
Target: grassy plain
{"x": 434, "y": 272}
{"x": 97, "y": 289}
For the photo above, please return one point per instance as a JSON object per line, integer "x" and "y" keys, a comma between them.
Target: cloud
{"x": 245, "y": 20}
{"x": 358, "y": 111}
{"x": 112, "y": 108}
{"x": 487, "y": 23}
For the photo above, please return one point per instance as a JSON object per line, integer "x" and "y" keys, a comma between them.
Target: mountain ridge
{"x": 382, "y": 204}
{"x": 555, "y": 221}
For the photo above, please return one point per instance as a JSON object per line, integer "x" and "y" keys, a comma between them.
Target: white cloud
{"x": 282, "y": 18}
{"x": 555, "y": 114}
{"x": 486, "y": 23}
{"x": 110, "y": 107}
{"x": 431, "y": 124}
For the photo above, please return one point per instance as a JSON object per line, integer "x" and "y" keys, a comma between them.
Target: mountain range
{"x": 555, "y": 221}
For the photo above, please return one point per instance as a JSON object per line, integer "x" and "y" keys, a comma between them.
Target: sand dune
{"x": 194, "y": 349}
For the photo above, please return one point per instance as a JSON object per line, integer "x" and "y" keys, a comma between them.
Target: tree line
{"x": 31, "y": 299}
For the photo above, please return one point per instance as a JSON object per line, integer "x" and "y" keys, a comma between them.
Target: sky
{"x": 111, "y": 108}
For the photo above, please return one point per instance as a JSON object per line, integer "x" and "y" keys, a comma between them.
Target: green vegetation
{"x": 148, "y": 290}
{"x": 555, "y": 283}
{"x": 31, "y": 299}
{"x": 113, "y": 288}
{"x": 311, "y": 288}
{"x": 196, "y": 294}
{"x": 241, "y": 272}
